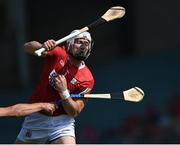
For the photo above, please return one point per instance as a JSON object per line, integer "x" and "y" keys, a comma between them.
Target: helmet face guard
{"x": 79, "y": 55}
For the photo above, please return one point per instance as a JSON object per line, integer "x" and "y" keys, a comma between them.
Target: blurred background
{"x": 141, "y": 49}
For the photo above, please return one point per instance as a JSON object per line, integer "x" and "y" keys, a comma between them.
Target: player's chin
{"x": 81, "y": 56}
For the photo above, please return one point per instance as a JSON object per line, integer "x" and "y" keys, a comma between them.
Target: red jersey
{"x": 79, "y": 79}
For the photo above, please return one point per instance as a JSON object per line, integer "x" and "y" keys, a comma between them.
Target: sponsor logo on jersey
{"x": 61, "y": 62}
{"x": 73, "y": 81}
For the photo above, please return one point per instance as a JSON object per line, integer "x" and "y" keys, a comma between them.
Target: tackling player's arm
{"x": 32, "y": 46}
{"x": 26, "y": 109}
{"x": 72, "y": 107}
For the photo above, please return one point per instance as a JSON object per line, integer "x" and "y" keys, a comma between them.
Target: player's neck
{"x": 76, "y": 62}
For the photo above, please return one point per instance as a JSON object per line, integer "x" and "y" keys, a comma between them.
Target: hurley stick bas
{"x": 133, "y": 95}
{"x": 111, "y": 14}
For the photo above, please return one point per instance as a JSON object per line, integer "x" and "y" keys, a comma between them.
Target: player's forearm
{"x": 24, "y": 109}
{"x": 4, "y": 111}
{"x": 32, "y": 46}
{"x": 71, "y": 107}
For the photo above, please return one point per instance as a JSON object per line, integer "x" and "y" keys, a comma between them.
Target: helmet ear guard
{"x": 92, "y": 43}
{"x": 90, "y": 49}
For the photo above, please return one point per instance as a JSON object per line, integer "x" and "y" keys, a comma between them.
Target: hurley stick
{"x": 113, "y": 13}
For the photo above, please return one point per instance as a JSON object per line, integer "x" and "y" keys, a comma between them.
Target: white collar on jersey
{"x": 82, "y": 65}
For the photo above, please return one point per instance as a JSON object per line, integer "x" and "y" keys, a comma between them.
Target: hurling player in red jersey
{"x": 64, "y": 73}
{"x": 22, "y": 109}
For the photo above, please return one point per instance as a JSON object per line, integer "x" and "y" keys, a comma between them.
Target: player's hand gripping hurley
{"x": 111, "y": 14}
